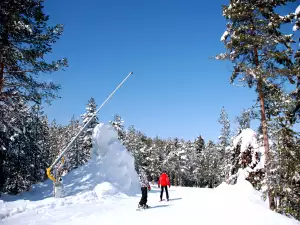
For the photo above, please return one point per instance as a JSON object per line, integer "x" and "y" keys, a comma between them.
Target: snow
{"x": 106, "y": 191}
{"x": 21, "y": 25}
{"x": 224, "y": 205}
{"x": 248, "y": 138}
{"x": 297, "y": 11}
{"x": 224, "y": 36}
{"x": 297, "y": 14}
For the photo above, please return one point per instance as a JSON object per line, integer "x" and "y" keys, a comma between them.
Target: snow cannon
{"x": 57, "y": 179}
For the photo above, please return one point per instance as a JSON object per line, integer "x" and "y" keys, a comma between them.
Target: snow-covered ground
{"x": 106, "y": 191}
{"x": 221, "y": 206}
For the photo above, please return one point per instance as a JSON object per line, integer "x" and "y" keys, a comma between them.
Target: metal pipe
{"x": 82, "y": 129}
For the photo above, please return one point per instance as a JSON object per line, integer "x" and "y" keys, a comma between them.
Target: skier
{"x": 163, "y": 182}
{"x": 144, "y": 186}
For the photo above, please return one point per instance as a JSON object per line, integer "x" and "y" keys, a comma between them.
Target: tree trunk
{"x": 264, "y": 129}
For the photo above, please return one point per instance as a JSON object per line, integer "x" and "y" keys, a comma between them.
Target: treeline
{"x": 201, "y": 163}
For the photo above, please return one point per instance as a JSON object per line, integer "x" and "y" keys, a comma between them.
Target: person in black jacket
{"x": 145, "y": 186}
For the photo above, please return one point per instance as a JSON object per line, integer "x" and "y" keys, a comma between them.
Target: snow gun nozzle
{"x": 48, "y": 171}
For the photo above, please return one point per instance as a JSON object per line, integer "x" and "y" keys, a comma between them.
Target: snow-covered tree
{"x": 297, "y": 19}
{"x": 243, "y": 121}
{"x": 86, "y": 137}
{"x": 247, "y": 154}
{"x": 199, "y": 144}
{"x": 224, "y": 138}
{"x": 117, "y": 123}
{"x": 26, "y": 39}
{"x": 211, "y": 165}
{"x": 285, "y": 164}
{"x": 259, "y": 50}
{"x": 224, "y": 141}
{"x": 73, "y": 158}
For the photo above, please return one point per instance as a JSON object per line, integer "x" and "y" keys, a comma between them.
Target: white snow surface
{"x": 105, "y": 192}
{"x": 224, "y": 36}
{"x": 297, "y": 11}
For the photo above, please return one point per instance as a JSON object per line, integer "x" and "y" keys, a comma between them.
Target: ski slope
{"x": 106, "y": 191}
{"x": 220, "y": 206}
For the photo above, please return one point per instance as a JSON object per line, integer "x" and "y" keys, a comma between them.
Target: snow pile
{"x": 110, "y": 162}
{"x": 110, "y": 172}
{"x": 114, "y": 161}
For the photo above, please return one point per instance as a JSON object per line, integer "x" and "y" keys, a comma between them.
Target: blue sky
{"x": 176, "y": 89}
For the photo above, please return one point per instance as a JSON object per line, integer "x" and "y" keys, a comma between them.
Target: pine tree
{"x": 199, "y": 144}
{"x": 74, "y": 156}
{"x": 117, "y": 123}
{"x": 243, "y": 121}
{"x": 225, "y": 130}
{"x": 135, "y": 145}
{"x": 284, "y": 156}
{"x": 86, "y": 137}
{"x": 246, "y": 154}
{"x": 224, "y": 140}
{"x": 259, "y": 50}
{"x": 18, "y": 164}
{"x": 211, "y": 165}
{"x": 25, "y": 40}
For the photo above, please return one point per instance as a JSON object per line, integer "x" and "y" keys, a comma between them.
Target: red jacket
{"x": 164, "y": 180}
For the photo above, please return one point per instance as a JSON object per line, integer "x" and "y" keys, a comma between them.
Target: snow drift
{"x": 110, "y": 172}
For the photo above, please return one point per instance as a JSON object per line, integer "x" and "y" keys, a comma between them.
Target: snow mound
{"x": 242, "y": 191}
{"x": 105, "y": 189}
{"x": 110, "y": 172}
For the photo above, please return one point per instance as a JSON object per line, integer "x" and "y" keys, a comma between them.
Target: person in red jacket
{"x": 164, "y": 182}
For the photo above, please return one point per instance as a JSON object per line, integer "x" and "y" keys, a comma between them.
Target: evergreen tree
{"x": 224, "y": 140}
{"x": 25, "y": 40}
{"x": 259, "y": 50}
{"x": 86, "y": 137}
{"x": 246, "y": 154}
{"x": 18, "y": 163}
{"x": 56, "y": 140}
{"x": 211, "y": 165}
{"x": 117, "y": 123}
{"x": 74, "y": 156}
{"x": 199, "y": 144}
{"x": 243, "y": 121}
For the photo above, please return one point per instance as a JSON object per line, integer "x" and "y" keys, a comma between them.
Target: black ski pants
{"x": 162, "y": 191}
{"x": 144, "y": 196}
